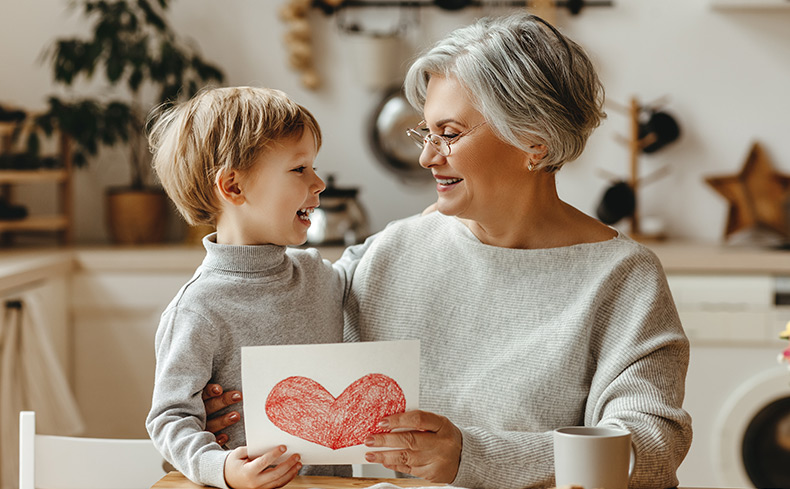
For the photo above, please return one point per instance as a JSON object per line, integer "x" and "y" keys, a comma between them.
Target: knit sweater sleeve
{"x": 185, "y": 343}
{"x": 346, "y": 265}
{"x": 642, "y": 358}
{"x": 639, "y": 357}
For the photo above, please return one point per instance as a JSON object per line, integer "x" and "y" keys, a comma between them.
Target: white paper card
{"x": 321, "y": 401}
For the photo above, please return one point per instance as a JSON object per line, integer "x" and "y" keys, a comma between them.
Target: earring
{"x": 531, "y": 166}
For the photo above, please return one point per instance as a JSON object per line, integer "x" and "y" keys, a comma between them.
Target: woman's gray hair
{"x": 532, "y": 84}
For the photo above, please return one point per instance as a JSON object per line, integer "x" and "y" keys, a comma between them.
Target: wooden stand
{"x": 635, "y": 148}
{"x": 61, "y": 221}
{"x": 636, "y": 145}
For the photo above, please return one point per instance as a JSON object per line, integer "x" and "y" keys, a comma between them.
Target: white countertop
{"x": 19, "y": 267}
{"x": 680, "y": 257}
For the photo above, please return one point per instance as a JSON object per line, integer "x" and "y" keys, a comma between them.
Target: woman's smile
{"x": 445, "y": 184}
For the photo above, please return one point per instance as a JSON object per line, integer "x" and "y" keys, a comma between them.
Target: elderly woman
{"x": 531, "y": 314}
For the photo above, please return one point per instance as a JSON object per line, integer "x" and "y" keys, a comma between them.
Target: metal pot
{"x": 389, "y": 142}
{"x": 340, "y": 219}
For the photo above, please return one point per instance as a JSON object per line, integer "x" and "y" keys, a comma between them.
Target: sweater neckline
{"x": 248, "y": 259}
{"x": 467, "y": 233}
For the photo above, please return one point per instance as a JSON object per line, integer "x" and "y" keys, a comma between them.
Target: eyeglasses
{"x": 441, "y": 143}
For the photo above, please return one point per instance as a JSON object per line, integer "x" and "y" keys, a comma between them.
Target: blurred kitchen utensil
{"x": 340, "y": 219}
{"x": 388, "y": 139}
{"x": 658, "y": 130}
{"x": 618, "y": 202}
{"x": 452, "y": 4}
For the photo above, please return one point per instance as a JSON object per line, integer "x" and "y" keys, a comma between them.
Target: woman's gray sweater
{"x": 516, "y": 343}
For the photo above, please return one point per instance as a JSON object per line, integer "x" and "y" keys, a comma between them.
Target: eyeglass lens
{"x": 439, "y": 143}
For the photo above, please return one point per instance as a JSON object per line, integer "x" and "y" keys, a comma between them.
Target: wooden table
{"x": 176, "y": 480}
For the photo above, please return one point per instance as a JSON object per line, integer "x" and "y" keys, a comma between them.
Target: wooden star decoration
{"x": 756, "y": 195}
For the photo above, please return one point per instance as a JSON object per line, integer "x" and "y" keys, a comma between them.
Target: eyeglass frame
{"x": 428, "y": 138}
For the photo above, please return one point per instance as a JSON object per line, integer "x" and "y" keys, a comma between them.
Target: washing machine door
{"x": 752, "y": 443}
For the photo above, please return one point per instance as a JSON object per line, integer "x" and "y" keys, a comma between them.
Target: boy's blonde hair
{"x": 219, "y": 129}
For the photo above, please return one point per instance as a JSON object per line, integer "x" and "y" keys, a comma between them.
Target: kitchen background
{"x": 723, "y": 74}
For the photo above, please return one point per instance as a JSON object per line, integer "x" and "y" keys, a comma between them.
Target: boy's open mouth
{"x": 304, "y": 214}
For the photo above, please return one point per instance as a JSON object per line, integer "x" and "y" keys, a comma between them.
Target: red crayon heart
{"x": 303, "y": 408}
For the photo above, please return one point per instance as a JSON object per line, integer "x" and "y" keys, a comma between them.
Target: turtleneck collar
{"x": 265, "y": 260}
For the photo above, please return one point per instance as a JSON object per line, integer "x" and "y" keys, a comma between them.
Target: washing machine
{"x": 737, "y": 391}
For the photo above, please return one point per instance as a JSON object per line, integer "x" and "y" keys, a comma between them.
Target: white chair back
{"x": 67, "y": 462}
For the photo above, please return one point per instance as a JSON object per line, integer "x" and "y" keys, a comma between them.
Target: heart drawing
{"x": 302, "y": 407}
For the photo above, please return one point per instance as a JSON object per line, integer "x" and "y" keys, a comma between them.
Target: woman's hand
{"x": 214, "y": 400}
{"x": 431, "y": 449}
{"x": 242, "y": 472}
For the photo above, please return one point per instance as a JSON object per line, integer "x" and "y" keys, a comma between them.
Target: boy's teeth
{"x": 448, "y": 181}
{"x": 304, "y": 214}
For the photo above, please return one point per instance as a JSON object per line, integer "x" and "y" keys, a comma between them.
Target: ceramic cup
{"x": 593, "y": 457}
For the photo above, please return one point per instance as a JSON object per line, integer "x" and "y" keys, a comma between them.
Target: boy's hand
{"x": 214, "y": 400}
{"x": 245, "y": 473}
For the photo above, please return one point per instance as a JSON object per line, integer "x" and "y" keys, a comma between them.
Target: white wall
{"x": 726, "y": 76}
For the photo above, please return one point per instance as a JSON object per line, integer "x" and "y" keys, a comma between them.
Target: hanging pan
{"x": 388, "y": 139}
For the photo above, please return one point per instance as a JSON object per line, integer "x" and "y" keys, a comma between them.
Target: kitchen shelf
{"x": 35, "y": 223}
{"x": 33, "y": 176}
{"x": 750, "y": 4}
{"x": 59, "y": 221}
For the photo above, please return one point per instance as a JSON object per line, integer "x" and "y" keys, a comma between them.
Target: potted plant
{"x": 133, "y": 47}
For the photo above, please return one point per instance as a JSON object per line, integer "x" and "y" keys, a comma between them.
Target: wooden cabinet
{"x": 57, "y": 221}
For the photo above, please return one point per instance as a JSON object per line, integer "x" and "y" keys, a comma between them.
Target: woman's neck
{"x": 536, "y": 218}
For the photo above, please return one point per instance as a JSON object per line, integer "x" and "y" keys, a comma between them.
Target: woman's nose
{"x": 430, "y": 157}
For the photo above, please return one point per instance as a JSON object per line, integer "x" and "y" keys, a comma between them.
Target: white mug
{"x": 593, "y": 457}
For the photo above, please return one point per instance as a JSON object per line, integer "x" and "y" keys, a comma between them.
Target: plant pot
{"x": 136, "y": 216}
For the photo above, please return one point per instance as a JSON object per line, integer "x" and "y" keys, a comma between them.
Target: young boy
{"x": 242, "y": 160}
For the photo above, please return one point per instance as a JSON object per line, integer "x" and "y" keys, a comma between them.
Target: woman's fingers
{"x": 392, "y": 458}
{"x": 414, "y": 420}
{"x": 214, "y": 400}
{"x": 216, "y": 403}
{"x": 219, "y": 423}
{"x": 430, "y": 448}
{"x": 211, "y": 390}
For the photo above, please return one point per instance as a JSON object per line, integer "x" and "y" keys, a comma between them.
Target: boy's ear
{"x": 228, "y": 188}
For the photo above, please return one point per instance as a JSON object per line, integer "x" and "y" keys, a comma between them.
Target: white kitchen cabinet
{"x": 117, "y": 298}
{"x": 729, "y": 308}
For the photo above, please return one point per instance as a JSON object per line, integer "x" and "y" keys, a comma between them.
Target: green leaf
{"x": 135, "y": 79}
{"x": 114, "y": 68}
{"x": 131, "y": 42}
{"x": 151, "y": 16}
